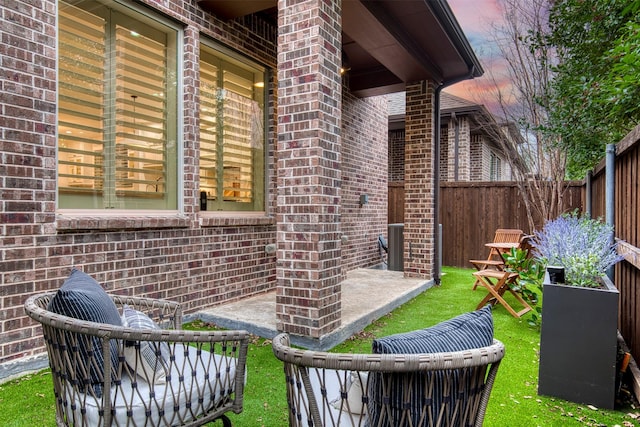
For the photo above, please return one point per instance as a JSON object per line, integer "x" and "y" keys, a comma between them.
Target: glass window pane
{"x": 231, "y": 131}
{"x": 140, "y": 115}
{"x": 209, "y": 103}
{"x": 118, "y": 109}
{"x": 81, "y": 106}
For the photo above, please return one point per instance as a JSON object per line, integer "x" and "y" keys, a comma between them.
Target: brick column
{"x": 308, "y": 301}
{"x": 418, "y": 181}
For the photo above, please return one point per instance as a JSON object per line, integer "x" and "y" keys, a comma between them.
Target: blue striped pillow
{"x": 464, "y": 332}
{"x": 81, "y": 297}
{"x": 146, "y": 358}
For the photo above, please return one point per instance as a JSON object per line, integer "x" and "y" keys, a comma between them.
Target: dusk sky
{"x": 476, "y": 17}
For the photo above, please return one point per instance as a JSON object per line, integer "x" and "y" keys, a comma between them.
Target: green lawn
{"x": 28, "y": 401}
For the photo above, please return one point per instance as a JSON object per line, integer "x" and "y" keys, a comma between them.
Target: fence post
{"x": 610, "y": 179}
{"x": 588, "y": 194}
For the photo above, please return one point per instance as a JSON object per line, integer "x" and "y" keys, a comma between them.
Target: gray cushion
{"x": 147, "y": 359}
{"x": 464, "y": 332}
{"x": 81, "y": 297}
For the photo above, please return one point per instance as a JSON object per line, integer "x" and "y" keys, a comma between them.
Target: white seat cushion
{"x": 330, "y": 409}
{"x": 131, "y": 404}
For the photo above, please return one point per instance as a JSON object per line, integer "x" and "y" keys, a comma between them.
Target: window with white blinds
{"x": 117, "y": 117}
{"x": 495, "y": 172}
{"x": 231, "y": 131}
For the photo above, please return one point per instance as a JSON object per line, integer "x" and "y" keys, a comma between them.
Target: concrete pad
{"x": 367, "y": 295}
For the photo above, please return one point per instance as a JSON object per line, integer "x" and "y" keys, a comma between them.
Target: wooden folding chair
{"x": 494, "y": 260}
{"x": 497, "y": 282}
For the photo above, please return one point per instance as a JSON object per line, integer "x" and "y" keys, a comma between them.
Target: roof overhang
{"x": 387, "y": 43}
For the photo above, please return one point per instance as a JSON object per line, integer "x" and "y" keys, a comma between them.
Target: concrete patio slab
{"x": 367, "y": 295}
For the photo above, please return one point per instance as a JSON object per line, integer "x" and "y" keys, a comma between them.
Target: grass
{"x": 28, "y": 401}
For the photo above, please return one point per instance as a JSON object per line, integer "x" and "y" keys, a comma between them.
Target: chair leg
{"x": 226, "y": 422}
{"x": 497, "y": 290}
{"x": 492, "y": 295}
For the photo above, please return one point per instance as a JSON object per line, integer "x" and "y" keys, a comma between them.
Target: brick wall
{"x": 477, "y": 158}
{"x": 446, "y": 151}
{"x": 308, "y": 302}
{"x": 396, "y": 155}
{"x": 196, "y": 260}
{"x": 419, "y": 179}
{"x": 364, "y": 155}
{"x": 452, "y": 162}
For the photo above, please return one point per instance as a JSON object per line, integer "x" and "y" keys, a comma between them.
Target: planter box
{"x": 578, "y": 344}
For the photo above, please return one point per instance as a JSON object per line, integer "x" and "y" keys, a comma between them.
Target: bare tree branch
{"x": 538, "y": 163}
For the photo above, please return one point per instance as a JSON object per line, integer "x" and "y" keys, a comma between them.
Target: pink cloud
{"x": 476, "y": 18}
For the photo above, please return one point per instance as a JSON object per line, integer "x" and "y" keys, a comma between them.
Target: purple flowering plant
{"x": 583, "y": 246}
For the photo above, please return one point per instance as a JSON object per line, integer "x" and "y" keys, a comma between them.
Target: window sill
{"x": 128, "y": 220}
{"x": 122, "y": 220}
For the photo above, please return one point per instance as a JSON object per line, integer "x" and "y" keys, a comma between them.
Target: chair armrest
{"x": 386, "y": 362}
{"x": 102, "y": 330}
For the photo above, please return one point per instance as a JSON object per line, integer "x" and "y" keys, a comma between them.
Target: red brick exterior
{"x": 331, "y": 148}
{"x": 309, "y": 168}
{"x": 418, "y": 181}
{"x": 364, "y": 171}
{"x": 396, "y": 155}
{"x": 197, "y": 260}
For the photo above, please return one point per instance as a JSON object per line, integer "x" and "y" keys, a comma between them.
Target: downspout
{"x": 437, "y": 238}
{"x": 456, "y": 145}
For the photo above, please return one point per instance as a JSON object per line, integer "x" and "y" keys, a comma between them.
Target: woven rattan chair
{"x": 205, "y": 370}
{"x": 439, "y": 389}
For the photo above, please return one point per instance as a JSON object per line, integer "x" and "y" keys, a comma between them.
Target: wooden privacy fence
{"x": 627, "y": 229}
{"x": 470, "y": 213}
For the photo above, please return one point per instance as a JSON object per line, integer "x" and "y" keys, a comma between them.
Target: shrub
{"x": 583, "y": 246}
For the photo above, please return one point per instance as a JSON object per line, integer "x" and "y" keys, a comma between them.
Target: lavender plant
{"x": 583, "y": 246}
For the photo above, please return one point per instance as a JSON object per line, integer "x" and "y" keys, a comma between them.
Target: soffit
{"x": 386, "y": 43}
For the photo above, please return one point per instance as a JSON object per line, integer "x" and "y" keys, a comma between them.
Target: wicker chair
{"x": 439, "y": 389}
{"x": 205, "y": 370}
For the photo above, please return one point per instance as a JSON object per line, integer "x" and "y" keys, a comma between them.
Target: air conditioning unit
{"x": 395, "y": 257}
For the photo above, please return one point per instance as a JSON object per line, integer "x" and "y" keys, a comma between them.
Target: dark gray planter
{"x": 578, "y": 344}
